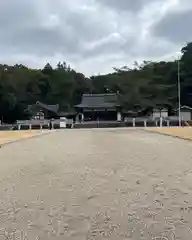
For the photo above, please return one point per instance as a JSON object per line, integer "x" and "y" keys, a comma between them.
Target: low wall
{"x": 136, "y": 123}
{"x": 44, "y": 124}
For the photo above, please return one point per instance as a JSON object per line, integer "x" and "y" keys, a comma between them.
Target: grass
{"x": 181, "y": 132}
{"x": 10, "y": 136}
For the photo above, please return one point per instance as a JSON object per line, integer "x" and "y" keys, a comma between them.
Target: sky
{"x": 93, "y": 36}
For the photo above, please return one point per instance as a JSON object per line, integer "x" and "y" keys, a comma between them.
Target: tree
{"x": 48, "y": 69}
{"x": 146, "y": 85}
{"x": 186, "y": 75}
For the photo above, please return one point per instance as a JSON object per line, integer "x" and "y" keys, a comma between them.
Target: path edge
{"x": 41, "y": 134}
{"x": 168, "y": 135}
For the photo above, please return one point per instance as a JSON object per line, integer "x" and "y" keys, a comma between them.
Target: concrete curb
{"x": 168, "y": 135}
{"x": 27, "y": 138}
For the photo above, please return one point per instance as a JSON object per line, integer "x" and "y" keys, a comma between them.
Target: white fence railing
{"x": 68, "y": 123}
{"x": 56, "y": 123}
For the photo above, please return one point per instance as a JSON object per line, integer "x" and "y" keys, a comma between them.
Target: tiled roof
{"x": 51, "y": 108}
{"x": 105, "y": 100}
{"x": 185, "y": 108}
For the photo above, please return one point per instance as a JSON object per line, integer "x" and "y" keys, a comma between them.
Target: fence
{"x": 130, "y": 122}
{"x": 43, "y": 124}
{"x": 68, "y": 123}
{"x": 153, "y": 122}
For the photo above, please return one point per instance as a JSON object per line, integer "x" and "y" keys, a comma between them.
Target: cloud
{"x": 92, "y": 35}
{"x": 175, "y": 27}
{"x": 128, "y": 5}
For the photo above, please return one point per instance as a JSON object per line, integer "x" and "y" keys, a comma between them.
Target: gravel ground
{"x": 96, "y": 184}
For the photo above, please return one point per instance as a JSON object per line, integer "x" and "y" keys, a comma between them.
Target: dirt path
{"x": 180, "y": 132}
{"x": 96, "y": 184}
{"x": 12, "y": 136}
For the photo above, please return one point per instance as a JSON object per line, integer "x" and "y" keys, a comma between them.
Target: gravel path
{"x": 96, "y": 184}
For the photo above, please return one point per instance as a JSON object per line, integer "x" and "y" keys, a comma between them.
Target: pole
{"x": 179, "y": 90}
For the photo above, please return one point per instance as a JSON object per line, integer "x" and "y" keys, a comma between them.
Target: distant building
{"x": 40, "y": 111}
{"x": 160, "y": 112}
{"x": 186, "y": 113}
{"x": 94, "y": 107}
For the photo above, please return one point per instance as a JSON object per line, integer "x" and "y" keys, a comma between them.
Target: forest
{"x": 146, "y": 85}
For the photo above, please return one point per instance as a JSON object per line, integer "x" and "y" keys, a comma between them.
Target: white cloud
{"x": 93, "y": 35}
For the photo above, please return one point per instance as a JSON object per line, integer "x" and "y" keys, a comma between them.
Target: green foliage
{"x": 151, "y": 84}
{"x": 146, "y": 85}
{"x": 21, "y": 86}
